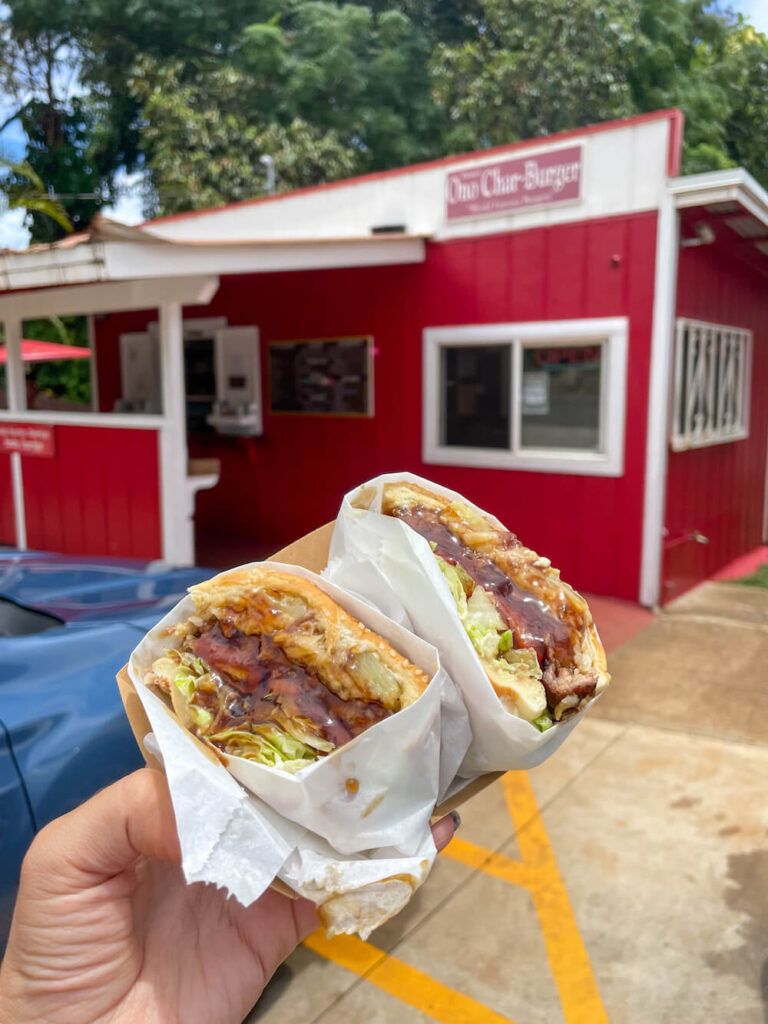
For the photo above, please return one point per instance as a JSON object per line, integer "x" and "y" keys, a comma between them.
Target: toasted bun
{"x": 366, "y": 908}
{"x": 313, "y": 630}
{"x": 528, "y": 570}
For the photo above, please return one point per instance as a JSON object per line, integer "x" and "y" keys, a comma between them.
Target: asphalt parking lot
{"x": 625, "y": 880}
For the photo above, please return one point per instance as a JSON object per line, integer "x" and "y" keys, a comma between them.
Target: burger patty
{"x": 254, "y": 677}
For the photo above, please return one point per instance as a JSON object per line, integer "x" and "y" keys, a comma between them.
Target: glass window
{"x": 560, "y": 397}
{"x": 475, "y": 382}
{"x": 548, "y": 397}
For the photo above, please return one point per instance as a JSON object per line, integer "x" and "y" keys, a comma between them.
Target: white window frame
{"x": 699, "y": 368}
{"x": 608, "y": 460}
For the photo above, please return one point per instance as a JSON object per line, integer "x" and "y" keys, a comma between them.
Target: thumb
{"x": 106, "y": 835}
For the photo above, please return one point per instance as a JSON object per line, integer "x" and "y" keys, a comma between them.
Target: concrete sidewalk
{"x": 626, "y": 879}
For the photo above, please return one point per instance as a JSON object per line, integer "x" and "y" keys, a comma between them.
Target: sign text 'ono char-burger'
{"x": 538, "y": 180}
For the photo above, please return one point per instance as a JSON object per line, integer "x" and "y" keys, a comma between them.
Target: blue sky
{"x": 14, "y": 235}
{"x": 755, "y": 10}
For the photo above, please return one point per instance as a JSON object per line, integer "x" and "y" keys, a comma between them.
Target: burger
{"x": 269, "y": 668}
{"x": 532, "y": 633}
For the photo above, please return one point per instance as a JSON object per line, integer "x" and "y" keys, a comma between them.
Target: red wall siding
{"x": 719, "y": 490}
{"x": 7, "y": 518}
{"x": 275, "y": 488}
{"x": 100, "y": 495}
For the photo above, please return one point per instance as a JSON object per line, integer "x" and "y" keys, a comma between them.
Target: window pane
{"x": 560, "y": 397}
{"x": 474, "y": 386}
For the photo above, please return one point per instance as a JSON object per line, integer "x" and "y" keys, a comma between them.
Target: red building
{"x": 564, "y": 329}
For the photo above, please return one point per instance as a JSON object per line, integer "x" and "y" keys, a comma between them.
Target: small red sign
{"x": 544, "y": 179}
{"x": 28, "y": 439}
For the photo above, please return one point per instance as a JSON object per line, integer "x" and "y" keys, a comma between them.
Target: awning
{"x": 113, "y": 252}
{"x": 727, "y": 204}
{"x": 43, "y": 351}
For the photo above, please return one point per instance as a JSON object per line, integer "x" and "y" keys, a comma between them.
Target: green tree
{"x": 197, "y": 93}
{"x": 533, "y": 68}
{"x": 204, "y": 145}
{"x": 24, "y": 189}
{"x": 69, "y": 379}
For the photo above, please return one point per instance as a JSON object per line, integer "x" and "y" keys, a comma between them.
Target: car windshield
{"x": 16, "y": 620}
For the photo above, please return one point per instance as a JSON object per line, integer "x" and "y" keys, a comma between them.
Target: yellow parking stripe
{"x": 496, "y": 864}
{"x": 568, "y": 958}
{"x": 402, "y": 981}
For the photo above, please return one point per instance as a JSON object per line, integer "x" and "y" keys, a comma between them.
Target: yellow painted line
{"x": 497, "y": 864}
{"x": 402, "y": 981}
{"x": 568, "y": 958}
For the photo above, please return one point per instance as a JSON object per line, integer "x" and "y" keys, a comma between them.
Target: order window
{"x": 542, "y": 396}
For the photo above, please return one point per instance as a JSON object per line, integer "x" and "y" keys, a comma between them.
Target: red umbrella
{"x": 43, "y": 351}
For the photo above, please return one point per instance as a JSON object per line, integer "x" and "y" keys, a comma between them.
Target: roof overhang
{"x": 732, "y": 197}
{"x": 113, "y": 252}
{"x": 107, "y": 297}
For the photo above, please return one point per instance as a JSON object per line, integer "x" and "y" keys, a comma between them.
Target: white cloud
{"x": 13, "y": 234}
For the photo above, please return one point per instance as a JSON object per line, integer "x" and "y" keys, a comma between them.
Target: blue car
{"x": 67, "y": 625}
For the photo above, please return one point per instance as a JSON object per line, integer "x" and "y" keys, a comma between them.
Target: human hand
{"x": 106, "y": 929}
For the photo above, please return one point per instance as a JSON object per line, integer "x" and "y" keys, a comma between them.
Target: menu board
{"x": 321, "y": 377}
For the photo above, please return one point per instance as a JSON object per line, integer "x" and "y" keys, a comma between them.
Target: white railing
{"x": 713, "y": 365}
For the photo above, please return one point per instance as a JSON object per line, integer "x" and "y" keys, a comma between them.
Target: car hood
{"x": 81, "y": 590}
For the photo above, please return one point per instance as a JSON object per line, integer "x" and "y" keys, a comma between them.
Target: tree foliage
{"x": 196, "y": 93}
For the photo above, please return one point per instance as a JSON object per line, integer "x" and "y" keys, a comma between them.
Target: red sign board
{"x": 28, "y": 439}
{"x": 539, "y": 180}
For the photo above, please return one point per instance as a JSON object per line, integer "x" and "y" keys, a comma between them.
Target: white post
{"x": 176, "y": 496}
{"x": 657, "y": 438}
{"x": 16, "y": 390}
{"x": 14, "y": 368}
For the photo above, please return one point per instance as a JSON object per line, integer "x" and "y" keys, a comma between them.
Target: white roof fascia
{"x": 149, "y": 257}
{"x": 108, "y": 297}
{"x": 733, "y": 184}
{"x": 136, "y": 259}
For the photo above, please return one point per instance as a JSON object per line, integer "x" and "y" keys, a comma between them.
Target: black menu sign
{"x": 326, "y": 376}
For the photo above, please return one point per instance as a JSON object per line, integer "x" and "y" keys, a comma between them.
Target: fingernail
{"x": 456, "y": 819}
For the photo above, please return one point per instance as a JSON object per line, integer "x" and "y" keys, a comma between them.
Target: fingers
{"x": 107, "y": 834}
{"x": 444, "y": 830}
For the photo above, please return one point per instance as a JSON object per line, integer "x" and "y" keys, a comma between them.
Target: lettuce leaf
{"x": 516, "y": 669}
{"x": 266, "y": 744}
{"x": 455, "y": 586}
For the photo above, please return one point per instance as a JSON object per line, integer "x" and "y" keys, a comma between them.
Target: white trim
{"x": 123, "y": 421}
{"x": 154, "y": 260}
{"x": 610, "y": 332}
{"x": 94, "y": 377}
{"x": 15, "y": 376}
{"x": 659, "y": 391}
{"x": 176, "y": 496}
{"x": 19, "y": 514}
{"x": 734, "y": 184}
{"x": 110, "y": 297}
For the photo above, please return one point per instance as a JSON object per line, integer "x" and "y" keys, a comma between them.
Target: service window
{"x": 548, "y": 397}
{"x": 713, "y": 367}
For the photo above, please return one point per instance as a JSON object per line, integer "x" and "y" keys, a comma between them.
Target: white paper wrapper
{"x": 386, "y": 562}
{"x": 326, "y": 839}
